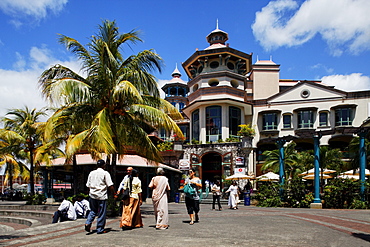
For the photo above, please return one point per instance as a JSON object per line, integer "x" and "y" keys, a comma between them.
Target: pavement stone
{"x": 247, "y": 226}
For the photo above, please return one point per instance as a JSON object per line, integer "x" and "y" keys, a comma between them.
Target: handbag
{"x": 189, "y": 190}
{"x": 125, "y": 194}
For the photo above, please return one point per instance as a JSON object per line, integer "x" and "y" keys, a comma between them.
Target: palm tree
{"x": 292, "y": 166}
{"x": 354, "y": 148}
{"x": 118, "y": 102}
{"x": 11, "y": 157}
{"x": 331, "y": 158}
{"x": 23, "y": 127}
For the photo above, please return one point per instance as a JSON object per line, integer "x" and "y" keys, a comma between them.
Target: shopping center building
{"x": 226, "y": 89}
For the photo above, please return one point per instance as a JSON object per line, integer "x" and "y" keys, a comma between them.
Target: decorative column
{"x": 280, "y": 144}
{"x": 362, "y": 156}
{"x": 316, "y": 148}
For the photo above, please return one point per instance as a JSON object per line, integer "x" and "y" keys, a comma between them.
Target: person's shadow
{"x": 106, "y": 230}
{"x": 363, "y": 236}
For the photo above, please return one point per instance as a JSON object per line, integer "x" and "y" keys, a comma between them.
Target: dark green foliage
{"x": 295, "y": 194}
{"x": 112, "y": 207}
{"x": 36, "y": 199}
{"x": 80, "y": 194}
{"x": 268, "y": 195}
{"x": 344, "y": 193}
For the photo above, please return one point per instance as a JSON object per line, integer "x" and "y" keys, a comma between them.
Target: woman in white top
{"x": 234, "y": 195}
{"x": 216, "y": 190}
{"x": 131, "y": 215}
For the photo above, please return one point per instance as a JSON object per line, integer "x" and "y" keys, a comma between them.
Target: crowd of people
{"x": 129, "y": 192}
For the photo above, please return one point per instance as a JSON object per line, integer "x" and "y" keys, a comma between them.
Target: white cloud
{"x": 343, "y": 24}
{"x": 320, "y": 66}
{"x": 19, "y": 87}
{"x": 352, "y": 82}
{"x": 37, "y": 9}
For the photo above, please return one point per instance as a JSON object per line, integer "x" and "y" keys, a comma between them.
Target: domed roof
{"x": 176, "y": 77}
{"x": 217, "y": 36}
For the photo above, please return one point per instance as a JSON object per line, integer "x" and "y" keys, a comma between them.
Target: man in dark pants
{"x": 99, "y": 182}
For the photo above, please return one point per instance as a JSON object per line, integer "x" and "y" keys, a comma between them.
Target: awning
{"x": 127, "y": 160}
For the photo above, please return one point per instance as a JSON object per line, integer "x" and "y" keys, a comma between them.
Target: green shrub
{"x": 341, "y": 193}
{"x": 295, "y": 194}
{"x": 36, "y": 199}
{"x": 268, "y": 195}
{"x": 358, "y": 204}
{"x": 79, "y": 194}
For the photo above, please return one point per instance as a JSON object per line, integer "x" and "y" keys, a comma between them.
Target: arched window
{"x": 234, "y": 120}
{"x": 195, "y": 125}
{"x": 213, "y": 123}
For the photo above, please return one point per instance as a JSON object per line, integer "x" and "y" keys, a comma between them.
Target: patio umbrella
{"x": 312, "y": 177}
{"x": 348, "y": 176}
{"x": 239, "y": 176}
{"x": 270, "y": 176}
{"x": 356, "y": 172}
{"x": 312, "y": 172}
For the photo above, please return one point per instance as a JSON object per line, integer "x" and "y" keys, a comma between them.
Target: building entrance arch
{"x": 211, "y": 167}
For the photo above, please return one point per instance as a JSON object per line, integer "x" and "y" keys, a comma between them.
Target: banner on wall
{"x": 239, "y": 161}
{"x": 239, "y": 171}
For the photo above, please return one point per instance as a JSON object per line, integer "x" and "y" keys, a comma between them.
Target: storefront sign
{"x": 239, "y": 161}
{"x": 184, "y": 165}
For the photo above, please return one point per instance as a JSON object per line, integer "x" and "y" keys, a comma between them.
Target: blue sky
{"x": 316, "y": 39}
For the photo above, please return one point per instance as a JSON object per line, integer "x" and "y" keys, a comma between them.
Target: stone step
{"x": 23, "y": 221}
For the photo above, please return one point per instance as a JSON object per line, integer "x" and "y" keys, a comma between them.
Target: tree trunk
{"x": 32, "y": 178}
{"x": 75, "y": 179}
{"x": 114, "y": 168}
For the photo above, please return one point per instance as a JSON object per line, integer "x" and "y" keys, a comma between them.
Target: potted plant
{"x": 246, "y": 131}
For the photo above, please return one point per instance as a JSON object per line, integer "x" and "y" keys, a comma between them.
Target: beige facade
{"x": 226, "y": 89}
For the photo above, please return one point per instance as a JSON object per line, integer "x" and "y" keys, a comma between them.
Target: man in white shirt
{"x": 99, "y": 182}
{"x": 66, "y": 211}
{"x": 82, "y": 207}
{"x": 120, "y": 188}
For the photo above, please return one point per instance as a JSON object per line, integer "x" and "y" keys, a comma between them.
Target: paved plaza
{"x": 247, "y": 226}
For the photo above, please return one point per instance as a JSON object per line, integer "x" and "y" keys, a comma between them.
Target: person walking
{"x": 122, "y": 184}
{"x": 234, "y": 195}
{"x": 131, "y": 215}
{"x": 120, "y": 189}
{"x": 192, "y": 203}
{"x": 159, "y": 185}
{"x": 99, "y": 182}
{"x": 216, "y": 190}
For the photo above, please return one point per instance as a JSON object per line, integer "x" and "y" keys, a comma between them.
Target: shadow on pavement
{"x": 362, "y": 236}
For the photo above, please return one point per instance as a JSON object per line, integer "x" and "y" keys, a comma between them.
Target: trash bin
{"x": 247, "y": 199}
{"x": 177, "y": 198}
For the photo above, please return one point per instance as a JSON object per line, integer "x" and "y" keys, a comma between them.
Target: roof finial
{"x": 217, "y": 24}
